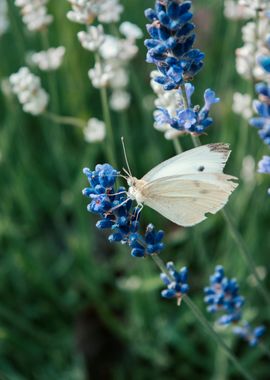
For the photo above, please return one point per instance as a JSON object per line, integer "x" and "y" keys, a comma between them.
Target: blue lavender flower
{"x": 176, "y": 282}
{"x": 264, "y": 61}
{"x": 118, "y": 214}
{"x": 262, "y": 107}
{"x": 188, "y": 120}
{"x": 264, "y": 167}
{"x": 170, "y": 47}
{"x": 249, "y": 334}
{"x": 223, "y": 296}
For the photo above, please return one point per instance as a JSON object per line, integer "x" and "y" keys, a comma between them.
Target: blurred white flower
{"x": 101, "y": 74}
{"x": 85, "y": 11}
{"x": 119, "y": 100}
{"x": 254, "y": 4}
{"x": 109, "y": 11}
{"x": 130, "y": 31}
{"x": 95, "y": 130}
{"x": 93, "y": 38}
{"x": 254, "y": 37}
{"x": 28, "y": 89}
{"x": 4, "y": 21}
{"x": 248, "y": 169}
{"x": 120, "y": 78}
{"x": 242, "y": 105}
{"x": 235, "y": 11}
{"x": 34, "y": 13}
{"x": 49, "y": 60}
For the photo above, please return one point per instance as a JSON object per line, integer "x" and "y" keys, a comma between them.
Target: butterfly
{"x": 186, "y": 187}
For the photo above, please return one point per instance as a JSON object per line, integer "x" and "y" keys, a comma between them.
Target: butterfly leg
{"x": 140, "y": 206}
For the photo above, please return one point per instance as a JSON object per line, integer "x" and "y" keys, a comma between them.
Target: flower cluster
{"x": 117, "y": 213}
{"x": 48, "y": 60}
{"x": 171, "y": 50}
{"x": 95, "y": 130}
{"x": 262, "y": 108}
{"x": 249, "y": 334}
{"x": 222, "y": 296}
{"x": 234, "y": 10}
{"x": 170, "y": 47}
{"x": 264, "y": 167}
{"x": 112, "y": 53}
{"x": 34, "y": 14}
{"x": 176, "y": 282}
{"x": 4, "y": 22}
{"x": 28, "y": 89}
{"x": 184, "y": 119}
{"x": 86, "y": 11}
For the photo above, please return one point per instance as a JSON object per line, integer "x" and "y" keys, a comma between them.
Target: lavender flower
{"x": 31, "y": 95}
{"x": 170, "y": 47}
{"x": 264, "y": 167}
{"x": 223, "y": 296}
{"x": 187, "y": 120}
{"x": 117, "y": 214}
{"x": 249, "y": 334}
{"x": 176, "y": 282}
{"x": 262, "y": 108}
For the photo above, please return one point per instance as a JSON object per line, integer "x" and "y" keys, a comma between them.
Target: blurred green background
{"x": 73, "y": 306}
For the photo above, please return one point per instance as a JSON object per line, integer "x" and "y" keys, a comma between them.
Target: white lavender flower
{"x": 254, "y": 37}
{"x": 109, "y": 11}
{"x": 242, "y": 105}
{"x": 130, "y": 31}
{"x": 93, "y": 38}
{"x": 256, "y": 5}
{"x": 4, "y": 22}
{"x": 101, "y": 74}
{"x": 50, "y": 59}
{"x": 34, "y": 13}
{"x": 235, "y": 11}
{"x": 31, "y": 95}
{"x": 85, "y": 11}
{"x": 95, "y": 130}
{"x": 119, "y": 100}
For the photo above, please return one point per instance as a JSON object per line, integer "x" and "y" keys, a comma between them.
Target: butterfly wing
{"x": 209, "y": 158}
{"x": 186, "y": 199}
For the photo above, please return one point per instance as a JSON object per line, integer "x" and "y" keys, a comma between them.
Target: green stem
{"x": 50, "y": 75}
{"x": 195, "y": 139}
{"x": 108, "y": 123}
{"x": 177, "y": 146}
{"x": 110, "y": 147}
{"x": 207, "y": 326}
{"x": 67, "y": 120}
{"x": 200, "y": 317}
{"x": 245, "y": 253}
{"x": 184, "y": 95}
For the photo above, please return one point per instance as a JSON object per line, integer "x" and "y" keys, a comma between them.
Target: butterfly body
{"x": 187, "y": 186}
{"x": 135, "y": 191}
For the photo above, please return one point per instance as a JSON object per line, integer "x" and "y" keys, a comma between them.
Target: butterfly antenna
{"x": 125, "y": 154}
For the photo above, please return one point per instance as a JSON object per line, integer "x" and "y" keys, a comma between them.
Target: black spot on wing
{"x": 201, "y": 168}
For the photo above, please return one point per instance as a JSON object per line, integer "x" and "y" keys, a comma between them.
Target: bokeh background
{"x": 73, "y": 306}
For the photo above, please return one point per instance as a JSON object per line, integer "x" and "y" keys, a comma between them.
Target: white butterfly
{"x": 187, "y": 186}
